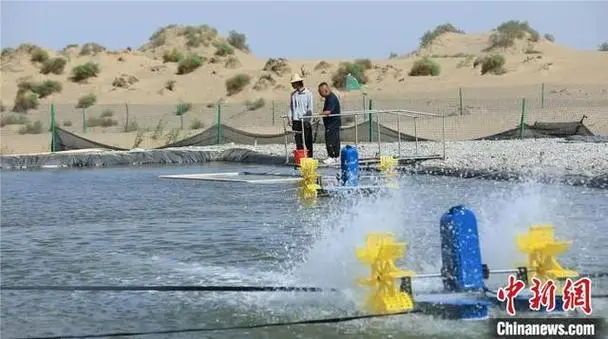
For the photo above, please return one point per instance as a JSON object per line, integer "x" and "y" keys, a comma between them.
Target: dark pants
{"x": 297, "y": 127}
{"x": 332, "y": 140}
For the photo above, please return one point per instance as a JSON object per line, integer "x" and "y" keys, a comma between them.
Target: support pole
{"x": 443, "y": 133}
{"x": 218, "y": 123}
{"x": 370, "y": 129}
{"x": 53, "y": 143}
{"x": 285, "y": 134}
{"x": 127, "y": 118}
{"x": 399, "y": 135}
{"x": 460, "y": 101}
{"x": 357, "y": 130}
{"x": 378, "y": 133}
{"x": 521, "y": 121}
{"x": 84, "y": 121}
{"x": 542, "y": 95}
{"x": 416, "y": 134}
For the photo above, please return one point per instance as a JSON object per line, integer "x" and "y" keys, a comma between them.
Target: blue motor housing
{"x": 460, "y": 251}
{"x": 349, "y": 163}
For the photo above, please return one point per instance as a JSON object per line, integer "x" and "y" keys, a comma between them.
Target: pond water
{"x": 126, "y": 226}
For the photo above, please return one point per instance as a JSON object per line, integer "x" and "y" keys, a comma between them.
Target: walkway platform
{"x": 235, "y": 177}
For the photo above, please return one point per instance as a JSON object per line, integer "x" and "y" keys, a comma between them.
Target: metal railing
{"x": 377, "y": 113}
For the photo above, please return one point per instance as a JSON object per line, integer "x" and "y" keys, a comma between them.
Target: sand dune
{"x": 138, "y": 80}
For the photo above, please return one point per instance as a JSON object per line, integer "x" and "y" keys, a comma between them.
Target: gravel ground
{"x": 540, "y": 157}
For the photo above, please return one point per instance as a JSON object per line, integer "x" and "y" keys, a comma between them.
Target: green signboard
{"x": 352, "y": 84}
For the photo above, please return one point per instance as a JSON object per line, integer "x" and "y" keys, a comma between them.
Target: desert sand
{"x": 138, "y": 81}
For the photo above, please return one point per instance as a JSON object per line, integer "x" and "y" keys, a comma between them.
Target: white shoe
{"x": 329, "y": 161}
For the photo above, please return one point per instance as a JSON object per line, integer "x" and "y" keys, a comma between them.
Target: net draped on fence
{"x": 470, "y": 114}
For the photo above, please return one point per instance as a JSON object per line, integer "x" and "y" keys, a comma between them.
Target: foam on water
{"x": 412, "y": 215}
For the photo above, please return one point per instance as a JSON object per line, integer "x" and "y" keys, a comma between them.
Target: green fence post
{"x": 522, "y": 119}
{"x": 218, "y": 123}
{"x": 460, "y": 100}
{"x": 369, "y": 115}
{"x": 53, "y": 146}
{"x": 127, "y": 118}
{"x": 363, "y": 97}
{"x": 84, "y": 120}
{"x": 542, "y": 95}
{"x": 273, "y": 112}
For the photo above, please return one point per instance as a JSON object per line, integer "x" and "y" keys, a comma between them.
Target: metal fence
{"x": 470, "y": 113}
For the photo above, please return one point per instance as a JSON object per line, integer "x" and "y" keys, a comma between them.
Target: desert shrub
{"x": 170, "y": 85}
{"x": 31, "y": 128}
{"x": 252, "y": 105}
{"x": 603, "y": 47}
{"x": 466, "y": 62}
{"x": 24, "y": 101}
{"x": 67, "y": 123}
{"x": 354, "y": 69}
{"x": 237, "y": 83}
{"x": 68, "y": 46}
{"x": 86, "y": 101}
{"x": 189, "y": 63}
{"x": 278, "y": 66}
{"x": 365, "y": 63}
{"x": 101, "y": 122}
{"x": 84, "y": 71}
{"x": 107, "y": 113}
{"x": 549, "y": 37}
{"x": 264, "y": 82}
{"x": 493, "y": 64}
{"x": 26, "y": 47}
{"x": 183, "y": 108}
{"x": 46, "y": 88}
{"x": 223, "y": 49}
{"x": 39, "y": 55}
{"x": 2, "y": 107}
{"x": 172, "y": 56}
{"x": 196, "y": 124}
{"x": 13, "y": 119}
{"x": 91, "y": 48}
{"x": 322, "y": 65}
{"x": 41, "y": 89}
{"x": 509, "y": 31}
{"x": 238, "y": 41}
{"x": 54, "y": 65}
{"x": 124, "y": 81}
{"x": 429, "y": 36}
{"x": 425, "y": 67}
{"x": 7, "y": 52}
{"x": 232, "y": 62}
{"x": 158, "y": 38}
{"x": 532, "y": 51}
{"x": 393, "y": 55}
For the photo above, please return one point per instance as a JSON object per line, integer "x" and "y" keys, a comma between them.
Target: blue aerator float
{"x": 464, "y": 294}
{"x": 349, "y": 178}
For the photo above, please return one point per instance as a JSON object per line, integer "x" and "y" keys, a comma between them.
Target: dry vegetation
{"x": 195, "y": 64}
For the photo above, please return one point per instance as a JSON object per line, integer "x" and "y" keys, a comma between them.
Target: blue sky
{"x": 306, "y": 29}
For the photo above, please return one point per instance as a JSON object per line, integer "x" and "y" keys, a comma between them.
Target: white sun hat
{"x": 295, "y": 78}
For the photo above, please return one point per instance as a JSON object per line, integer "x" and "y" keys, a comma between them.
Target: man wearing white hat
{"x": 300, "y": 111}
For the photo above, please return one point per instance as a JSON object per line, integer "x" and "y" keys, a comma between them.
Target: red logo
{"x": 542, "y": 295}
{"x": 508, "y": 293}
{"x": 574, "y": 294}
{"x": 577, "y": 295}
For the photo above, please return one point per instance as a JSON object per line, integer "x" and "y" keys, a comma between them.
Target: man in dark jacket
{"x": 332, "y": 122}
